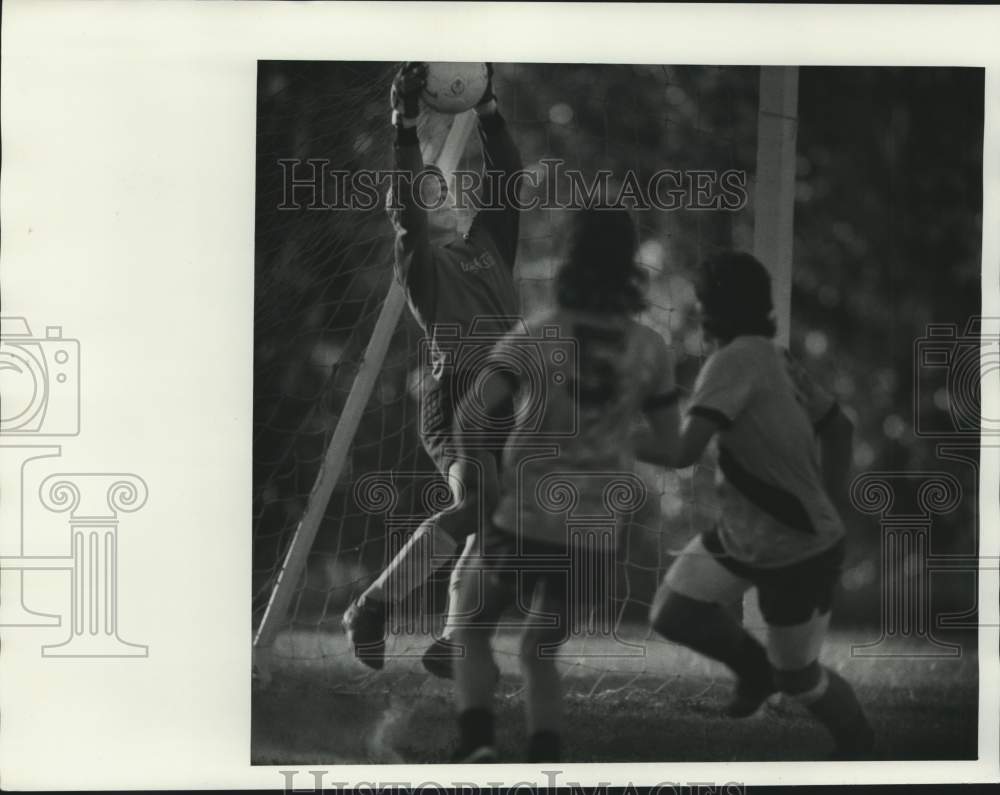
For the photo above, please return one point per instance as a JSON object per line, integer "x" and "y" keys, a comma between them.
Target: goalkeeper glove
{"x": 405, "y": 94}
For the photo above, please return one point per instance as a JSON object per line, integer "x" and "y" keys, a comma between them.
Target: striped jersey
{"x": 774, "y": 507}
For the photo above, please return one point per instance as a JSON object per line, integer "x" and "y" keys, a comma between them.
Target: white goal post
{"x": 774, "y": 188}
{"x": 337, "y": 452}
{"x": 774, "y": 211}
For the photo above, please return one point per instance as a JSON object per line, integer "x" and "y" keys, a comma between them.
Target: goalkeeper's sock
{"x": 413, "y": 564}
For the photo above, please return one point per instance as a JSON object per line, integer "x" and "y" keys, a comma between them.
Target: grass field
{"x": 322, "y": 707}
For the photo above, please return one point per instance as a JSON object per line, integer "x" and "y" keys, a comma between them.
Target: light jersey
{"x": 567, "y": 474}
{"x": 774, "y": 507}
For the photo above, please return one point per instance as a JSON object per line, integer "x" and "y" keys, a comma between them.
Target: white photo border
{"x": 127, "y": 196}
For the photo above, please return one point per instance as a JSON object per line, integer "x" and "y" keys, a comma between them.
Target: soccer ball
{"x": 454, "y": 87}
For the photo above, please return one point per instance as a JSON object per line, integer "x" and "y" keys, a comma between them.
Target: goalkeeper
{"x": 465, "y": 285}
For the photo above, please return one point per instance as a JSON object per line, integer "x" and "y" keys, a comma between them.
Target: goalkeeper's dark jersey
{"x": 462, "y": 290}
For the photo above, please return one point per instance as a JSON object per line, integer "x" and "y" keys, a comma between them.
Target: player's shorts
{"x": 438, "y": 405}
{"x": 787, "y": 595}
{"x": 561, "y": 589}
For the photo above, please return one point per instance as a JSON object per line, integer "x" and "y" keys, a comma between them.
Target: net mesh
{"x": 321, "y": 276}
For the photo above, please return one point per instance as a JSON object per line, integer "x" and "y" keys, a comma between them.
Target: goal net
{"x": 323, "y": 273}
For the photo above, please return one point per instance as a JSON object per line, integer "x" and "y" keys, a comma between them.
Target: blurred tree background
{"x": 887, "y": 241}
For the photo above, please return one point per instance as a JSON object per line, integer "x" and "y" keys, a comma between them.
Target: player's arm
{"x": 834, "y": 430}
{"x": 835, "y": 433}
{"x": 673, "y": 447}
{"x": 501, "y": 159}
{"x": 719, "y": 396}
{"x": 412, "y": 244}
{"x": 656, "y": 442}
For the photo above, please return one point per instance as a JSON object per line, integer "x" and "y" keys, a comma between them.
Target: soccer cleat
{"x": 439, "y": 659}
{"x": 748, "y": 698}
{"x": 364, "y": 624}
{"x": 484, "y": 755}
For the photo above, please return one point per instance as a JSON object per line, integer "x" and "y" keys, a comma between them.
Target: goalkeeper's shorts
{"x": 438, "y": 405}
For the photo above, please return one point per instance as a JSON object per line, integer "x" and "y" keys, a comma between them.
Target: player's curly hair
{"x": 600, "y": 273}
{"x": 734, "y": 289}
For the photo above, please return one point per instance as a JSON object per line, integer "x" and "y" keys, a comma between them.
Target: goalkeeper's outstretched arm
{"x": 502, "y": 178}
{"x": 412, "y": 260}
{"x": 409, "y": 219}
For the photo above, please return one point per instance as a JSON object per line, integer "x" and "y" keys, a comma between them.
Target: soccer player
{"x": 784, "y": 450}
{"x": 464, "y": 281}
{"x": 570, "y": 443}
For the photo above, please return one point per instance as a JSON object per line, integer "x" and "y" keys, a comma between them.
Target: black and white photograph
{"x": 499, "y": 396}
{"x": 616, "y": 413}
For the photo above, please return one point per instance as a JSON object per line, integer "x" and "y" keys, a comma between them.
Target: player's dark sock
{"x": 544, "y": 746}
{"x": 710, "y": 630}
{"x": 839, "y": 711}
{"x": 475, "y": 730}
{"x": 754, "y": 684}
